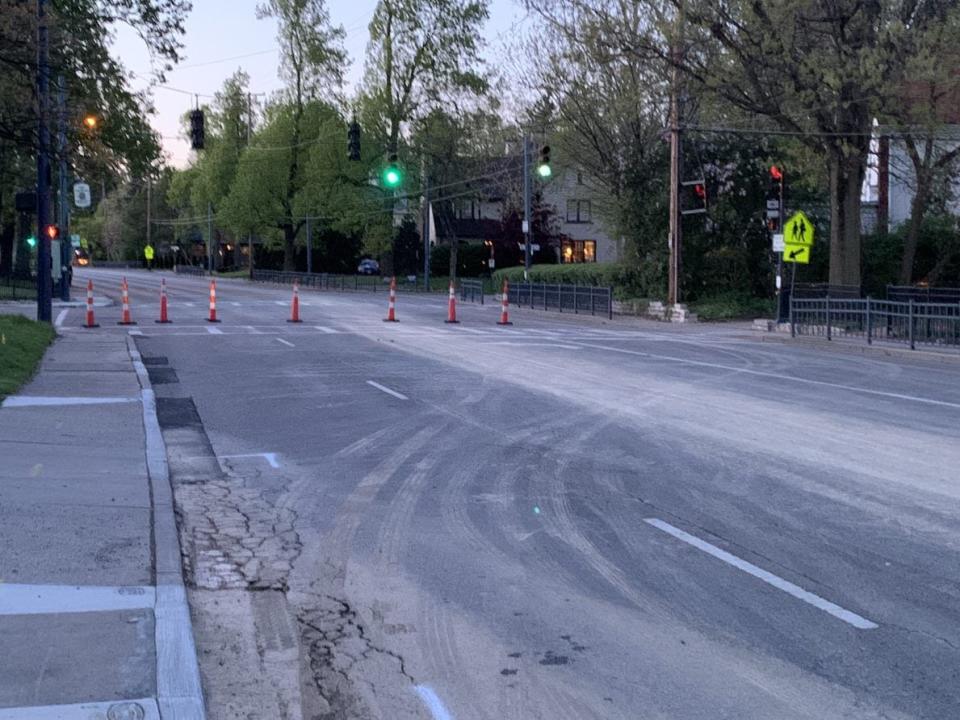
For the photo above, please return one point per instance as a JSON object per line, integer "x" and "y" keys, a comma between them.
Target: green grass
{"x": 732, "y": 306}
{"x": 243, "y": 273}
{"x": 22, "y": 344}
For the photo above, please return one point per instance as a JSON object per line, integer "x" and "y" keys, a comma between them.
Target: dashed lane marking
{"x": 387, "y": 390}
{"x": 327, "y": 330}
{"x": 214, "y": 331}
{"x": 858, "y": 621}
{"x": 285, "y": 342}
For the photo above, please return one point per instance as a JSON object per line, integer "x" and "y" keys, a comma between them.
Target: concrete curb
{"x": 179, "y": 691}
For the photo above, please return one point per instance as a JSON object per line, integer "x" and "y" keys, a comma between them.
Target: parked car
{"x": 368, "y": 266}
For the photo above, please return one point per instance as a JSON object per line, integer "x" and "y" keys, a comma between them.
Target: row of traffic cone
{"x": 127, "y": 319}
{"x": 451, "y": 304}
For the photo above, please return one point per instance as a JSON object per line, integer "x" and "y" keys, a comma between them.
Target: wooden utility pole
{"x": 676, "y": 228}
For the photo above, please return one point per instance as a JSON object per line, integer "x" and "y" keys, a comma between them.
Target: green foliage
{"x": 22, "y": 344}
{"x": 626, "y": 281}
{"x": 471, "y": 260}
{"x": 733, "y": 305}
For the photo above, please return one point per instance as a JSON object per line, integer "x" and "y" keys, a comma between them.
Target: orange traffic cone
{"x": 163, "y": 302}
{"x": 213, "y": 302}
{"x": 504, "y": 304}
{"x": 392, "y": 306}
{"x": 125, "y": 299}
{"x": 452, "y": 306}
{"x": 295, "y": 304}
{"x": 91, "y": 321}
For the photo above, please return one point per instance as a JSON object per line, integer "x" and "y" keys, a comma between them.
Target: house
{"x": 577, "y": 203}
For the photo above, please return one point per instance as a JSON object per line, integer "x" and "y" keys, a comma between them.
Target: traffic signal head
{"x": 353, "y": 141}
{"x": 32, "y": 241}
{"x": 392, "y": 174}
{"x": 776, "y": 173}
{"x": 700, "y": 190}
{"x": 91, "y": 121}
{"x": 543, "y": 167}
{"x": 197, "y": 134}
{"x": 52, "y": 232}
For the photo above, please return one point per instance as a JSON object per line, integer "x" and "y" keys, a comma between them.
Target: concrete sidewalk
{"x": 93, "y": 612}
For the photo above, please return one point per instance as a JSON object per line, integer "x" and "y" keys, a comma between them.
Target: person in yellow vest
{"x": 148, "y": 254}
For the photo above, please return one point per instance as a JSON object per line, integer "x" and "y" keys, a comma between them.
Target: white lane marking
{"x": 270, "y": 457}
{"x": 535, "y": 343}
{"x": 61, "y": 316}
{"x": 281, "y": 303}
{"x": 81, "y": 711}
{"x": 186, "y": 304}
{"x": 387, "y": 390}
{"x": 786, "y": 586}
{"x": 235, "y": 304}
{"x": 36, "y": 401}
{"x": 327, "y": 330}
{"x": 285, "y": 342}
{"x": 45, "y": 599}
{"x": 136, "y": 332}
{"x": 775, "y": 376}
{"x": 433, "y": 703}
{"x": 473, "y": 331}
{"x": 253, "y": 330}
{"x": 214, "y": 331}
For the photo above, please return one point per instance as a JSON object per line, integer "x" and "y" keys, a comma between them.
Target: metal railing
{"x": 905, "y": 293}
{"x": 189, "y": 270}
{"x": 14, "y": 288}
{"x": 563, "y": 297}
{"x": 471, "y": 290}
{"x": 327, "y": 281}
{"x": 909, "y": 323}
{"x": 822, "y": 290}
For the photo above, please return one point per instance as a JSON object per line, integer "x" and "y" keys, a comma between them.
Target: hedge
{"x": 624, "y": 280}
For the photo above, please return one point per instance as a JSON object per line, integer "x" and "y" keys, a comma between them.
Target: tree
{"x": 311, "y": 62}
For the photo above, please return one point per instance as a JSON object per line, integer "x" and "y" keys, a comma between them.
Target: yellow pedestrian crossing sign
{"x": 148, "y": 252}
{"x": 798, "y": 230}
{"x": 796, "y": 253}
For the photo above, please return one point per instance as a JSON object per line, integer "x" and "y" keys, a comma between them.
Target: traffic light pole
{"x": 63, "y": 178}
{"x": 527, "y": 224}
{"x": 426, "y": 232}
{"x": 44, "y": 286}
{"x": 673, "y": 287}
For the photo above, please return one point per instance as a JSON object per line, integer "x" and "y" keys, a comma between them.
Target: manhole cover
{"x": 126, "y": 711}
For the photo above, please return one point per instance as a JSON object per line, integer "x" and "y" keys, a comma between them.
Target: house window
{"x": 578, "y": 211}
{"x": 467, "y": 210}
{"x": 578, "y": 251}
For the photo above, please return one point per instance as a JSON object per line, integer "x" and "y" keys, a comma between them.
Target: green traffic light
{"x": 32, "y": 242}
{"x": 544, "y": 171}
{"x": 392, "y": 177}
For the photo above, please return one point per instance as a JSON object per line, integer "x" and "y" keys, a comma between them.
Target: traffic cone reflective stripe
{"x": 213, "y": 302}
{"x": 452, "y": 305}
{"x": 504, "y": 304}
{"x": 125, "y": 299}
{"x": 163, "y": 302}
{"x": 392, "y": 306}
{"x": 295, "y": 304}
{"x": 91, "y": 321}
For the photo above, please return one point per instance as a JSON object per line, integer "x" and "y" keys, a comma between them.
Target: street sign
{"x": 81, "y": 195}
{"x": 773, "y": 205}
{"x": 148, "y": 252}
{"x": 75, "y": 241}
{"x": 798, "y": 230}
{"x": 778, "y": 242}
{"x": 796, "y": 253}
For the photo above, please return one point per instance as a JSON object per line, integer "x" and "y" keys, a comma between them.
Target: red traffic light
{"x": 776, "y": 173}
{"x": 701, "y": 191}
{"x": 52, "y": 232}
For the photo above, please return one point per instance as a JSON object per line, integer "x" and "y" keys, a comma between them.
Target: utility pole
{"x": 309, "y": 244}
{"x": 676, "y": 231}
{"x": 64, "y": 202}
{"x": 149, "y": 227}
{"x": 249, "y": 129}
{"x": 209, "y": 239}
{"x": 426, "y": 231}
{"x": 44, "y": 285}
{"x": 527, "y": 229}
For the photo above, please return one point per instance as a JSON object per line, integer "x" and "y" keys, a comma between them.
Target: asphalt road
{"x": 574, "y": 519}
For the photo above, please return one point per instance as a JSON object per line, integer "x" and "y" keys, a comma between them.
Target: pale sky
{"x": 218, "y": 31}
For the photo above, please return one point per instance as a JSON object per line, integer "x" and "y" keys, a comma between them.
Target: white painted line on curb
{"x": 84, "y": 711}
{"x": 37, "y": 401}
{"x": 327, "y": 330}
{"x": 775, "y": 376}
{"x": 61, "y": 316}
{"x": 433, "y": 703}
{"x": 270, "y": 457}
{"x": 786, "y": 586}
{"x": 45, "y": 599}
{"x": 387, "y": 390}
{"x": 214, "y": 331}
{"x": 285, "y": 342}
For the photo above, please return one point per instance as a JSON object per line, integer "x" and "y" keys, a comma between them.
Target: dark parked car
{"x": 368, "y": 266}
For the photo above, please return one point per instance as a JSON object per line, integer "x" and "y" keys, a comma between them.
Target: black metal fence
{"x": 909, "y": 323}
{"x": 823, "y": 290}
{"x": 471, "y": 290}
{"x": 563, "y": 297}
{"x": 13, "y": 288}
{"x": 906, "y": 293}
{"x": 327, "y": 281}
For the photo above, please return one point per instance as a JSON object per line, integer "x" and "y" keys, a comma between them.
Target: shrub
{"x": 625, "y": 281}
{"x": 732, "y": 306}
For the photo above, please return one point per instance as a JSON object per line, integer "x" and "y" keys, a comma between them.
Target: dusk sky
{"x": 218, "y": 31}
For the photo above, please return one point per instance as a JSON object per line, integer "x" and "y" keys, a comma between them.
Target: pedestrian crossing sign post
{"x": 798, "y": 233}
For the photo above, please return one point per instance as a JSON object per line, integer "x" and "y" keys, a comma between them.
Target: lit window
{"x": 578, "y": 251}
